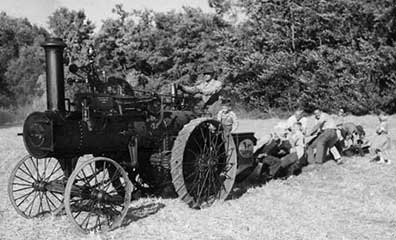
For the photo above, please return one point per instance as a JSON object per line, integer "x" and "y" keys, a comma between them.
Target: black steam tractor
{"x": 150, "y": 145}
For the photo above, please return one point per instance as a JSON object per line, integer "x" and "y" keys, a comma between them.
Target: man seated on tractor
{"x": 206, "y": 89}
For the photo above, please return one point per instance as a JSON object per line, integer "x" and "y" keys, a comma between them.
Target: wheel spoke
{"x": 54, "y": 170}
{"x": 45, "y": 167}
{"x": 203, "y": 184}
{"x": 191, "y": 151}
{"x": 197, "y": 143}
{"x": 24, "y": 180}
{"x": 78, "y": 213}
{"x": 21, "y": 189}
{"x": 86, "y": 179}
{"x": 41, "y": 202}
{"x": 49, "y": 202}
{"x": 26, "y": 196}
{"x": 209, "y": 184}
{"x": 53, "y": 194}
{"x": 104, "y": 175}
{"x": 94, "y": 173}
{"x": 35, "y": 165}
{"x": 28, "y": 174}
{"x": 204, "y": 139}
{"x": 32, "y": 203}
{"x": 192, "y": 174}
{"x": 21, "y": 184}
{"x": 97, "y": 223}
{"x": 86, "y": 219}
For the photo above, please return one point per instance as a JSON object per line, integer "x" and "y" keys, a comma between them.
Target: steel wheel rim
{"x": 92, "y": 203}
{"x": 27, "y": 186}
{"x": 182, "y": 156}
{"x": 207, "y": 166}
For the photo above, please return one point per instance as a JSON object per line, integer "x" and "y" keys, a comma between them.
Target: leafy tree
{"x": 18, "y": 39}
{"x": 23, "y": 72}
{"x": 325, "y": 54}
{"x": 74, "y": 29}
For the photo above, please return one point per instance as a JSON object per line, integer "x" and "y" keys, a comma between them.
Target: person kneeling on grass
{"x": 352, "y": 139}
{"x": 327, "y": 136}
{"x": 381, "y": 141}
{"x": 295, "y": 156}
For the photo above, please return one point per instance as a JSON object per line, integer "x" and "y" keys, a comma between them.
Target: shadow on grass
{"x": 136, "y": 213}
{"x": 256, "y": 180}
{"x": 252, "y": 181}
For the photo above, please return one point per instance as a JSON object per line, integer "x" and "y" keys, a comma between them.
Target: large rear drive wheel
{"x": 203, "y": 163}
{"x": 97, "y": 195}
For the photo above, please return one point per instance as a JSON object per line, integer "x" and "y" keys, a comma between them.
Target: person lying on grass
{"x": 278, "y": 145}
{"x": 296, "y": 153}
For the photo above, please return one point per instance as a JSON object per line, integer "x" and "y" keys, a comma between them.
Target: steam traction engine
{"x": 149, "y": 144}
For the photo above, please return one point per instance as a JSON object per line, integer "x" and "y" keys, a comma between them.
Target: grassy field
{"x": 356, "y": 200}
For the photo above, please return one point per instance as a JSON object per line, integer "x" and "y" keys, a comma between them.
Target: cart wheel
{"x": 35, "y": 186}
{"x": 97, "y": 195}
{"x": 203, "y": 163}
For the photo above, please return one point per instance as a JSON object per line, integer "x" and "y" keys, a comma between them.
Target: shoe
{"x": 375, "y": 159}
{"x": 262, "y": 155}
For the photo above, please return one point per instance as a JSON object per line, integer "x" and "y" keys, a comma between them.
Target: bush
{"x": 6, "y": 117}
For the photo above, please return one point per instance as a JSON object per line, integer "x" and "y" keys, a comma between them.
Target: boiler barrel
{"x": 48, "y": 134}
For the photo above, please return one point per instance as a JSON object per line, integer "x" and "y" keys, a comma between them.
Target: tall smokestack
{"x": 55, "y": 77}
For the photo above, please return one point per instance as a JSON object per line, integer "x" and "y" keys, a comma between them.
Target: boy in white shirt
{"x": 227, "y": 117}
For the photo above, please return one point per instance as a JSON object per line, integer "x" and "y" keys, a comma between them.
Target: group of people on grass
{"x": 294, "y": 144}
{"x": 300, "y": 141}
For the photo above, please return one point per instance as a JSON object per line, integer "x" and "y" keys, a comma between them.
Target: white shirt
{"x": 228, "y": 119}
{"x": 210, "y": 87}
{"x": 297, "y": 141}
{"x": 292, "y": 120}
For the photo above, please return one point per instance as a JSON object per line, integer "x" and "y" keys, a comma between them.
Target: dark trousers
{"x": 289, "y": 159}
{"x": 275, "y": 148}
{"x": 326, "y": 140}
{"x": 274, "y": 164}
{"x": 271, "y": 166}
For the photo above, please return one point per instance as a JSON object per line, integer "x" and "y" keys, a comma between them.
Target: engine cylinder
{"x": 55, "y": 75}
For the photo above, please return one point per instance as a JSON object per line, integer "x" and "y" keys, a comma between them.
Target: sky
{"x": 37, "y": 11}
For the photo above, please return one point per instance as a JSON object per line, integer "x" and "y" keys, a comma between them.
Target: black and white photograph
{"x": 197, "y": 119}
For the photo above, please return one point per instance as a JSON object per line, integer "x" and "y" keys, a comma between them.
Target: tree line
{"x": 273, "y": 54}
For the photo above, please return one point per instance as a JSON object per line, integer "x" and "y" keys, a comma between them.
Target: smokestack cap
{"x": 54, "y": 42}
